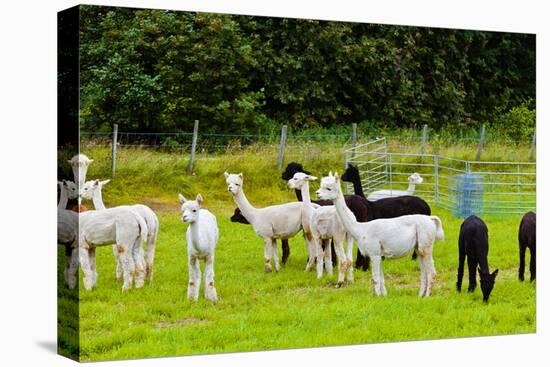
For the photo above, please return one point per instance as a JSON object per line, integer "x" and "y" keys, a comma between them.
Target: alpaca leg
{"x": 521, "y": 271}
{"x": 209, "y": 288}
{"x": 312, "y": 251}
{"x": 150, "y": 255}
{"x": 86, "y": 268}
{"x": 275, "y": 254}
{"x": 72, "y": 278}
{"x": 428, "y": 272}
{"x": 139, "y": 260}
{"x": 93, "y": 266}
{"x": 423, "y": 279}
{"x": 328, "y": 256}
{"x": 118, "y": 274}
{"x": 472, "y": 265}
{"x": 194, "y": 278}
{"x": 320, "y": 255}
{"x": 267, "y": 254}
{"x": 533, "y": 263}
{"x": 128, "y": 265}
{"x": 342, "y": 262}
{"x": 349, "y": 257}
{"x": 460, "y": 272}
{"x": 383, "y": 290}
{"x": 286, "y": 251}
{"x": 376, "y": 266}
{"x": 431, "y": 275}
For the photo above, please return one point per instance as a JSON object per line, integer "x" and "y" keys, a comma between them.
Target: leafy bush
{"x": 518, "y": 123}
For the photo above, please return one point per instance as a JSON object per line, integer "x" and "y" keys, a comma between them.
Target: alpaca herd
{"x": 386, "y": 225}
{"x": 126, "y": 228}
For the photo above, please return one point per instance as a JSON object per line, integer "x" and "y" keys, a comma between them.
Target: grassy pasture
{"x": 289, "y": 309}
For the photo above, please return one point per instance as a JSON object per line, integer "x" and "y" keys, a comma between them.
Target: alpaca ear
{"x": 199, "y": 199}
{"x": 226, "y": 174}
{"x": 311, "y": 178}
{"x": 90, "y": 161}
{"x": 495, "y": 273}
{"x": 336, "y": 176}
{"x": 240, "y": 175}
{"x": 330, "y": 174}
{"x": 105, "y": 182}
{"x": 182, "y": 199}
{"x": 96, "y": 182}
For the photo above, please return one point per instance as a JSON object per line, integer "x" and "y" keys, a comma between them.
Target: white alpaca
{"x": 67, "y": 233}
{"x": 202, "y": 237}
{"x": 270, "y": 223}
{"x": 382, "y": 194}
{"x": 122, "y": 227}
{"x": 93, "y": 189}
{"x": 324, "y": 225}
{"x": 390, "y": 238}
{"x": 79, "y": 163}
{"x": 301, "y": 182}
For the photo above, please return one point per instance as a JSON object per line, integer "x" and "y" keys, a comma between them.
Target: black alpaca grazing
{"x": 473, "y": 243}
{"x": 383, "y": 208}
{"x": 527, "y": 237}
{"x": 238, "y": 217}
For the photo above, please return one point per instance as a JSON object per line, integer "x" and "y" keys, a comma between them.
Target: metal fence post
{"x": 424, "y": 129}
{"x": 480, "y": 147}
{"x": 533, "y": 142}
{"x": 436, "y": 179}
{"x": 193, "y": 147}
{"x": 113, "y": 154}
{"x": 281, "y": 148}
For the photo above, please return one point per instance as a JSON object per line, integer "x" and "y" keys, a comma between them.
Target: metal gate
{"x": 506, "y": 187}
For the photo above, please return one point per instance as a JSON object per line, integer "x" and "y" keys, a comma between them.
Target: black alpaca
{"x": 527, "y": 237}
{"x": 383, "y": 208}
{"x": 355, "y": 203}
{"x": 238, "y": 217}
{"x": 473, "y": 243}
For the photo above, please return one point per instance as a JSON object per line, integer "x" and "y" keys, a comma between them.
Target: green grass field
{"x": 289, "y": 309}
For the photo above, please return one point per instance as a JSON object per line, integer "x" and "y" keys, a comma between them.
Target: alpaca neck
{"x": 63, "y": 199}
{"x": 97, "y": 199}
{"x": 304, "y": 192}
{"x": 247, "y": 210}
{"x": 357, "y": 187}
{"x": 346, "y": 215}
{"x": 483, "y": 265}
{"x": 411, "y": 187}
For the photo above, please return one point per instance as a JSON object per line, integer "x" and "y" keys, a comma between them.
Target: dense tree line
{"x": 154, "y": 71}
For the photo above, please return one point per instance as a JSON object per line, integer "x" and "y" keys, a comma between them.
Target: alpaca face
{"x": 329, "y": 187}
{"x": 71, "y": 188}
{"x": 351, "y": 174}
{"x": 90, "y": 188}
{"x": 291, "y": 169}
{"x": 415, "y": 178}
{"x": 79, "y": 164}
{"x": 190, "y": 209}
{"x": 487, "y": 282}
{"x": 298, "y": 180}
{"x": 234, "y": 182}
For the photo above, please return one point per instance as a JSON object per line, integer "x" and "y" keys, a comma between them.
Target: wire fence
{"x": 298, "y": 146}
